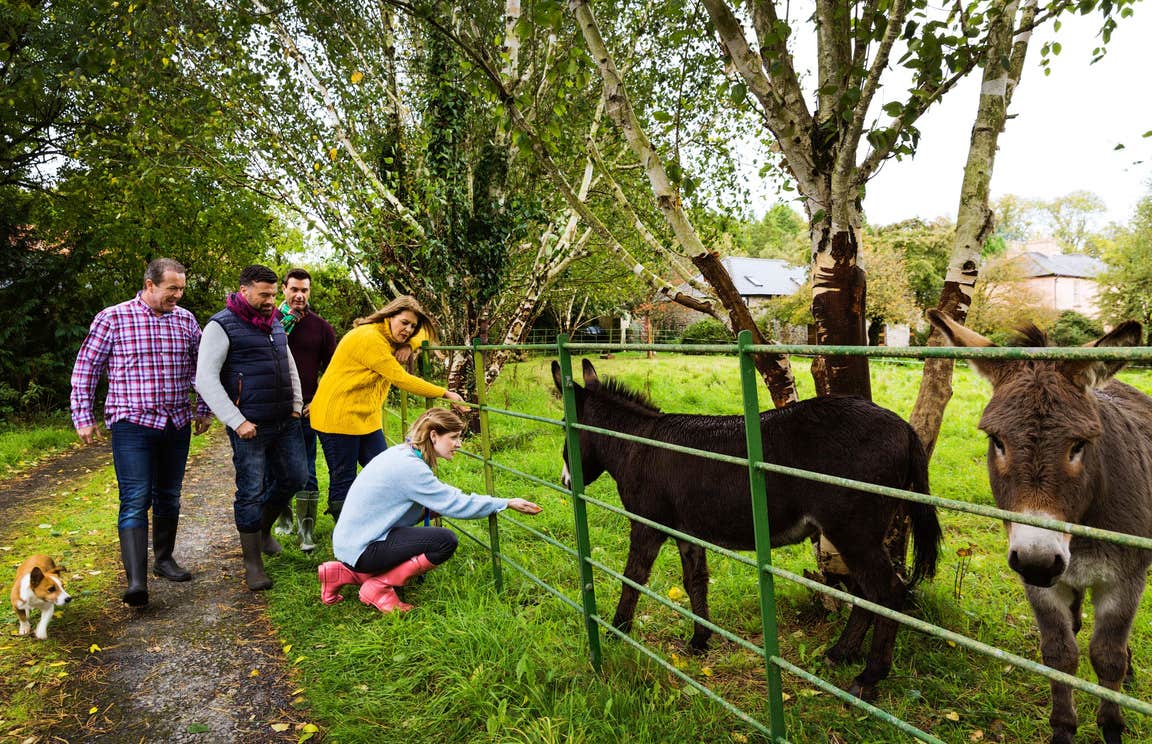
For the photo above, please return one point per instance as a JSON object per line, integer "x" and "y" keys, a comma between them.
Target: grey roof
{"x": 765, "y": 277}
{"x": 759, "y": 277}
{"x": 1067, "y": 264}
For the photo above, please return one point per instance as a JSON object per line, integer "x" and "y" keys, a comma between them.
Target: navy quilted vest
{"x": 255, "y": 373}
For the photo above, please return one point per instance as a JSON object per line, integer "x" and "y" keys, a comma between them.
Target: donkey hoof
{"x": 865, "y": 692}
{"x": 1113, "y": 733}
{"x": 1062, "y": 737}
{"x": 837, "y": 655}
{"x": 698, "y": 645}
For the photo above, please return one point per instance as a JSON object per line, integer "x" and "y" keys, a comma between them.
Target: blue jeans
{"x": 279, "y": 447}
{"x": 149, "y": 470}
{"x": 342, "y": 452}
{"x": 309, "y": 435}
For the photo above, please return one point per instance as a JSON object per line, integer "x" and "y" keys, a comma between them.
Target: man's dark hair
{"x": 257, "y": 274}
{"x": 158, "y": 267}
{"x": 301, "y": 274}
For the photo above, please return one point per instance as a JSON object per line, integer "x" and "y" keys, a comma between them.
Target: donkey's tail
{"x": 926, "y": 532}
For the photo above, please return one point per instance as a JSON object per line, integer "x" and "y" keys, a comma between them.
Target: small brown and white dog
{"x": 38, "y": 586}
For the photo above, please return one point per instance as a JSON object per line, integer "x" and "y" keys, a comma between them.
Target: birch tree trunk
{"x": 1003, "y": 66}
{"x": 775, "y": 369}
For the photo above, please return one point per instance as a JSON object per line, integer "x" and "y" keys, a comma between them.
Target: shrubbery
{"x": 707, "y": 331}
{"x": 1074, "y": 329}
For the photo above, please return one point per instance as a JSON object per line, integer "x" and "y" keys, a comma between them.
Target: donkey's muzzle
{"x": 1039, "y": 555}
{"x": 1042, "y": 571}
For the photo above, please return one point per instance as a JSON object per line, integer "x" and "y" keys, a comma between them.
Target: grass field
{"x": 474, "y": 665}
{"x": 471, "y": 664}
{"x": 22, "y": 446}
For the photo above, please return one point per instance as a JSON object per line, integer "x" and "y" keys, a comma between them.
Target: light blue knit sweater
{"x": 393, "y": 490}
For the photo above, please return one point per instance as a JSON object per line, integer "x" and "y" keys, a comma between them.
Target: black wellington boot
{"x": 163, "y": 542}
{"x": 134, "y": 554}
{"x": 251, "y": 543}
{"x": 269, "y": 544}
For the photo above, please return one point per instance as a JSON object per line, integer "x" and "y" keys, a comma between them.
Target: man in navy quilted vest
{"x": 246, "y": 375}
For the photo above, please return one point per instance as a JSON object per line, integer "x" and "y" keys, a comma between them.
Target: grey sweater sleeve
{"x": 213, "y": 351}
{"x": 297, "y": 390}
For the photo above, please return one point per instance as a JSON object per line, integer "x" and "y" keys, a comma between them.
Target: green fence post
{"x": 486, "y": 448}
{"x": 425, "y": 366}
{"x": 403, "y": 415}
{"x": 579, "y": 508}
{"x": 749, "y": 382}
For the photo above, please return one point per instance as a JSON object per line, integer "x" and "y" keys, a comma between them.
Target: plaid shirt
{"x": 151, "y": 365}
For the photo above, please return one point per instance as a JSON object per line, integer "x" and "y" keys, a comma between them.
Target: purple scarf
{"x": 240, "y": 307}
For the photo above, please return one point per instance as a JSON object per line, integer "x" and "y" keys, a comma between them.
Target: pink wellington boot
{"x": 334, "y": 575}
{"x": 414, "y": 566}
{"x": 380, "y": 591}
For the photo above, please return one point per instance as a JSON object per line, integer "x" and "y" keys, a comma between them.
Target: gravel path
{"x": 201, "y": 662}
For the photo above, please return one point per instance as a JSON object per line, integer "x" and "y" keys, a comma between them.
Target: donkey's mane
{"x": 615, "y": 388}
{"x": 1030, "y": 335}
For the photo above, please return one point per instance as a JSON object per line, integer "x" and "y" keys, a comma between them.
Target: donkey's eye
{"x": 997, "y": 444}
{"x": 1077, "y": 450}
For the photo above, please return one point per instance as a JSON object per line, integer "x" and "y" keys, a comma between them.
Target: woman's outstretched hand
{"x": 524, "y": 507}
{"x": 455, "y": 398}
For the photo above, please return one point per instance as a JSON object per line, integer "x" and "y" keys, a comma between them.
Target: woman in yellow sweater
{"x": 346, "y": 408}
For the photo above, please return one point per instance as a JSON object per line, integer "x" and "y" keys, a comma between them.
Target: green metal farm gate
{"x": 587, "y": 565}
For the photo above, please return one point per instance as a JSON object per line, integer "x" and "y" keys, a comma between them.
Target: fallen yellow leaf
{"x": 254, "y": 673}
{"x": 287, "y": 649}
{"x": 94, "y": 648}
{"x": 676, "y": 594}
{"x": 357, "y": 77}
{"x": 92, "y": 710}
{"x": 279, "y": 727}
{"x": 952, "y": 715}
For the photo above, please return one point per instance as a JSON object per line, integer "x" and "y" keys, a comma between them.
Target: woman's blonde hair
{"x": 399, "y": 305}
{"x": 440, "y": 420}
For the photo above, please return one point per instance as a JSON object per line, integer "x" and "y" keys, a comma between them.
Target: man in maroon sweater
{"x": 312, "y": 342}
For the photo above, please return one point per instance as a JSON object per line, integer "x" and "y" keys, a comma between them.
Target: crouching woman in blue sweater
{"x": 375, "y": 542}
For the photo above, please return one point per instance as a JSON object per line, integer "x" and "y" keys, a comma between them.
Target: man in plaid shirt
{"x": 148, "y": 347}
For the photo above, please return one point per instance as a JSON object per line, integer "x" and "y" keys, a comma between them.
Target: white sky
{"x": 1062, "y": 139}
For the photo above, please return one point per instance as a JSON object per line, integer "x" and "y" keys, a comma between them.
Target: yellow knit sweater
{"x": 353, "y": 388}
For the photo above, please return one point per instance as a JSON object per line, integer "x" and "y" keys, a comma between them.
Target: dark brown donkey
{"x": 842, "y": 436}
{"x": 1067, "y": 441}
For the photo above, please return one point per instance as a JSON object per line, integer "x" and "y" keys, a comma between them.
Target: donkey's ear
{"x": 958, "y": 335}
{"x": 556, "y": 376}
{"x": 1090, "y": 373}
{"x": 591, "y": 380}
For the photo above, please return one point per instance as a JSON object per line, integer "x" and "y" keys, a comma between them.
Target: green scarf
{"x": 288, "y": 318}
